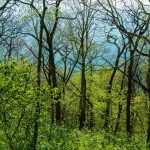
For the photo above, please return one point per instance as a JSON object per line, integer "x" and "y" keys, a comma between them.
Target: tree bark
{"x": 148, "y": 86}
{"x": 83, "y": 88}
{"x": 129, "y": 93}
{"x": 39, "y": 65}
{"x": 118, "y": 117}
{"x": 107, "y": 111}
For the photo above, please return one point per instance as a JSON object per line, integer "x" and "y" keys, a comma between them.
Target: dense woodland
{"x": 74, "y": 74}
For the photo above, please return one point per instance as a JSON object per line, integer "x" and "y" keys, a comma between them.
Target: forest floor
{"x": 60, "y": 138}
{"x": 68, "y": 139}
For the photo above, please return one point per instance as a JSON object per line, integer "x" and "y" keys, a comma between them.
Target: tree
{"x": 135, "y": 29}
{"x": 82, "y": 31}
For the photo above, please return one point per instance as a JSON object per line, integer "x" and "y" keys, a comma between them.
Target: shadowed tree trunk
{"x": 129, "y": 93}
{"x": 118, "y": 117}
{"x": 122, "y": 87}
{"x": 83, "y": 87}
{"x": 148, "y": 87}
{"x": 52, "y": 68}
{"x": 39, "y": 66}
{"x": 148, "y": 127}
{"x": 108, "y": 102}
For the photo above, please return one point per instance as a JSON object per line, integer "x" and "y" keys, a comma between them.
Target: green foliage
{"x": 18, "y": 97}
{"x": 71, "y": 139}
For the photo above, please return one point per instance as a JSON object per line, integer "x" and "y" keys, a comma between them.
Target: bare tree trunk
{"x": 54, "y": 83}
{"x": 10, "y": 49}
{"x": 83, "y": 87}
{"x": 52, "y": 68}
{"x": 36, "y": 125}
{"x": 83, "y": 98}
{"x": 122, "y": 87}
{"x": 129, "y": 93}
{"x": 37, "y": 110}
{"x": 148, "y": 87}
{"x": 107, "y": 111}
{"x": 148, "y": 129}
{"x": 118, "y": 117}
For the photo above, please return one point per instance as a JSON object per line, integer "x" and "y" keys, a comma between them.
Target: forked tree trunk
{"x": 54, "y": 84}
{"x": 107, "y": 111}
